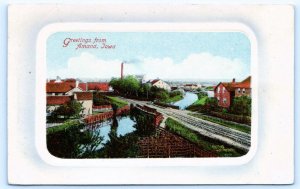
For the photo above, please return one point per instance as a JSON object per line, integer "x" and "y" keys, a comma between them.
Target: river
{"x": 188, "y": 99}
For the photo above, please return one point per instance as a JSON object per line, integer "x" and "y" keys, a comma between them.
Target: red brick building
{"x": 226, "y": 92}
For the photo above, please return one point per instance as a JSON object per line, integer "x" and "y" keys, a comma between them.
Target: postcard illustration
{"x": 148, "y": 94}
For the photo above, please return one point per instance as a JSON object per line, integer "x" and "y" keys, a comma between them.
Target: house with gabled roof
{"x": 160, "y": 84}
{"x": 60, "y": 92}
{"x": 225, "y": 92}
{"x": 62, "y": 88}
{"x": 86, "y": 99}
{"x": 53, "y": 102}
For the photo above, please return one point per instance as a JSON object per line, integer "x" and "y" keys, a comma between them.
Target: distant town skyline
{"x": 165, "y": 55}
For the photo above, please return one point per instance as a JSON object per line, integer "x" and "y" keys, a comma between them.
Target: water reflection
{"x": 113, "y": 138}
{"x": 189, "y": 99}
{"x": 119, "y": 126}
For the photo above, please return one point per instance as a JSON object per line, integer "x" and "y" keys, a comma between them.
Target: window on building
{"x": 239, "y": 90}
{"x": 218, "y": 89}
{"x": 223, "y": 90}
{"x": 224, "y": 100}
{"x": 218, "y": 98}
{"x": 244, "y": 91}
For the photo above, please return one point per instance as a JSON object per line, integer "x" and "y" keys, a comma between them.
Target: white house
{"x": 86, "y": 98}
{"x": 161, "y": 84}
{"x": 60, "y": 92}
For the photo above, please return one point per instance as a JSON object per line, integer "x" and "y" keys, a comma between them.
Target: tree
{"x": 162, "y": 95}
{"x": 241, "y": 106}
{"x": 115, "y": 83}
{"x": 175, "y": 93}
{"x": 71, "y": 109}
{"x": 129, "y": 85}
{"x": 147, "y": 88}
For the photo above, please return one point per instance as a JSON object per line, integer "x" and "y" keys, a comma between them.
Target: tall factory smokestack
{"x": 122, "y": 70}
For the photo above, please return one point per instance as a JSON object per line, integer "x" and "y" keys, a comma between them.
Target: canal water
{"x": 125, "y": 125}
{"x": 189, "y": 99}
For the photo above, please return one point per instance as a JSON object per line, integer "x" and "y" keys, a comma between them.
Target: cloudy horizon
{"x": 168, "y": 56}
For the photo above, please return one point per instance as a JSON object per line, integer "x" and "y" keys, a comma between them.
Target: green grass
{"x": 117, "y": 101}
{"x": 66, "y": 125}
{"x": 174, "y": 99}
{"x": 200, "y": 101}
{"x": 178, "y": 128}
{"x": 225, "y": 123}
{"x": 210, "y": 88}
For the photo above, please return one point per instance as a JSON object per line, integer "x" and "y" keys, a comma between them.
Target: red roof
{"x": 246, "y": 83}
{"x": 84, "y": 95}
{"x": 231, "y": 86}
{"x": 58, "y": 100}
{"x": 154, "y": 81}
{"x": 61, "y": 87}
{"x": 72, "y": 82}
{"x": 98, "y": 86}
{"x": 82, "y": 86}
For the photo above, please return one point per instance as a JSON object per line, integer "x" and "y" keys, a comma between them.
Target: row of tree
{"x": 130, "y": 86}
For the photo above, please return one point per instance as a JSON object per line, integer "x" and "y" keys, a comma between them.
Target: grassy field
{"x": 225, "y": 123}
{"x": 64, "y": 126}
{"x": 178, "y": 128}
{"x": 200, "y": 101}
{"x": 117, "y": 101}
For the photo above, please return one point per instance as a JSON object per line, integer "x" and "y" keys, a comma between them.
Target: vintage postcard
{"x": 164, "y": 99}
{"x": 148, "y": 94}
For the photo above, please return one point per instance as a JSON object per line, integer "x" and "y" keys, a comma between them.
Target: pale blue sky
{"x": 135, "y": 47}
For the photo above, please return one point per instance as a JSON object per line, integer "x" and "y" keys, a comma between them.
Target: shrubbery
{"x": 241, "y": 106}
{"x": 72, "y": 109}
{"x": 240, "y": 110}
{"x": 99, "y": 100}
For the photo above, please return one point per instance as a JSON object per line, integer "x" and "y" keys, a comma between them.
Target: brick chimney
{"x": 233, "y": 80}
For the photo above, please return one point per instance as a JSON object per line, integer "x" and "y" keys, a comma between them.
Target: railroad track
{"x": 237, "y": 136}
